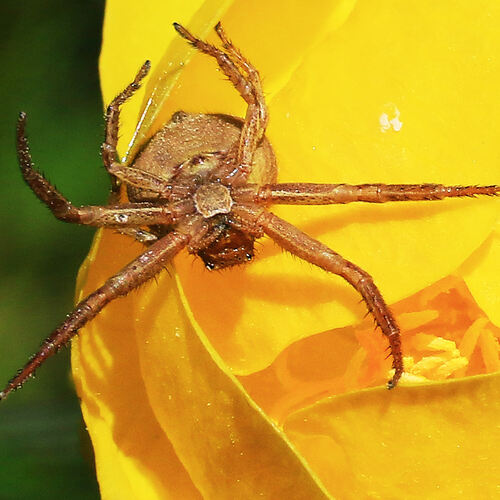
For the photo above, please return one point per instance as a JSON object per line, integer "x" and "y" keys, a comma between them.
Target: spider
{"x": 204, "y": 182}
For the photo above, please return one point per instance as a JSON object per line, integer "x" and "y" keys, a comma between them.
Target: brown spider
{"x": 204, "y": 182}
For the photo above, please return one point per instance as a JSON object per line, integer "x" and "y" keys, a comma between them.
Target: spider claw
{"x": 184, "y": 32}
{"x": 391, "y": 384}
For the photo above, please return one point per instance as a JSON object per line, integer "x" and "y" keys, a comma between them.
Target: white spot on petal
{"x": 389, "y": 118}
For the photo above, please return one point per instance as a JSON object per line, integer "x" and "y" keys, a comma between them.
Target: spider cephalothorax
{"x": 204, "y": 182}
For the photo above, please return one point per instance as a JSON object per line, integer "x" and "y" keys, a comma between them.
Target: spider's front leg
{"x": 300, "y": 244}
{"x": 137, "y": 272}
{"x": 246, "y": 80}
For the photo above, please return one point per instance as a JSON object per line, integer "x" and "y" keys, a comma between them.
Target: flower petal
{"x": 419, "y": 442}
{"x": 166, "y": 416}
{"x": 482, "y": 275}
{"x": 195, "y": 424}
{"x": 444, "y": 333}
{"x": 228, "y": 445}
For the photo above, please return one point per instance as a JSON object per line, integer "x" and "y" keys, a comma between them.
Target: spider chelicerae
{"x": 204, "y": 182}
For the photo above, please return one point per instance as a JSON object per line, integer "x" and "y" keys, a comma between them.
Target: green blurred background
{"x": 49, "y": 54}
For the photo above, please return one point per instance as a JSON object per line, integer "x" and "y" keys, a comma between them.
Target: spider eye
{"x": 210, "y": 266}
{"x": 249, "y": 256}
{"x": 198, "y": 160}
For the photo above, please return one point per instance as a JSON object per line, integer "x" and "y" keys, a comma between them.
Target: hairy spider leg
{"x": 137, "y": 272}
{"x": 254, "y": 80}
{"x": 115, "y": 216}
{"x": 326, "y": 194}
{"x": 130, "y": 175}
{"x": 303, "y": 246}
{"x": 112, "y": 119}
{"x": 250, "y": 89}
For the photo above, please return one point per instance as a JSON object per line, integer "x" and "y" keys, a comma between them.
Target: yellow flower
{"x": 234, "y": 384}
